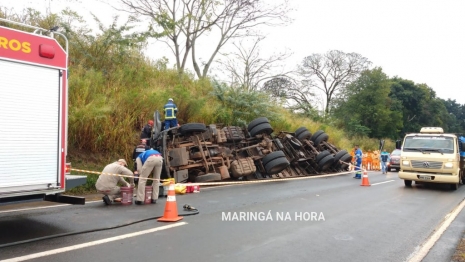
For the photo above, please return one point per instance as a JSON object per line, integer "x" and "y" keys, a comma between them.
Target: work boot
{"x": 106, "y": 200}
{"x": 139, "y": 202}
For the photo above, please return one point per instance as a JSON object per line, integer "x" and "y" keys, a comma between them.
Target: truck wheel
{"x": 326, "y": 162}
{"x": 304, "y": 135}
{"x": 299, "y": 131}
{"x": 408, "y": 183}
{"x": 454, "y": 186}
{"x": 321, "y": 138}
{"x": 322, "y": 155}
{"x": 272, "y": 156}
{"x": 208, "y": 177}
{"x": 192, "y": 127}
{"x": 256, "y": 122}
{"x": 261, "y": 128}
{"x": 316, "y": 134}
{"x": 347, "y": 158}
{"x": 338, "y": 156}
{"x": 276, "y": 165}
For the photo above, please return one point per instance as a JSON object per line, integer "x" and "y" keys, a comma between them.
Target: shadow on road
{"x": 22, "y": 228}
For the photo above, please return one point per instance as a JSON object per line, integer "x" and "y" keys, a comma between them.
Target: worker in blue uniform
{"x": 170, "y": 110}
{"x": 358, "y": 162}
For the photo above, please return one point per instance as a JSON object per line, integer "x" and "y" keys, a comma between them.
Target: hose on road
{"x": 193, "y": 211}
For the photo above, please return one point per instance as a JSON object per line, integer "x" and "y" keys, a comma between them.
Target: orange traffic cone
{"x": 365, "y": 181}
{"x": 171, "y": 208}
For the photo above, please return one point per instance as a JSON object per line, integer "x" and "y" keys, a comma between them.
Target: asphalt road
{"x": 383, "y": 222}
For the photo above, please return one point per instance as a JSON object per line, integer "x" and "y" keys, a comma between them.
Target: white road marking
{"x": 89, "y": 244}
{"x": 422, "y": 250}
{"x": 33, "y": 208}
{"x": 382, "y": 182}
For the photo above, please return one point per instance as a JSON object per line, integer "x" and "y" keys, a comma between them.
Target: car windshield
{"x": 396, "y": 152}
{"x": 429, "y": 144}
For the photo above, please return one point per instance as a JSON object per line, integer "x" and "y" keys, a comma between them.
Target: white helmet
{"x": 170, "y": 99}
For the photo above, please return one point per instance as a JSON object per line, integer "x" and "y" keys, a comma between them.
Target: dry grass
{"x": 459, "y": 255}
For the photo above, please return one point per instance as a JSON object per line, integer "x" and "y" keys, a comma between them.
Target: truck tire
{"x": 322, "y": 155}
{"x": 321, "y": 138}
{"x": 256, "y": 122}
{"x": 304, "y": 135}
{"x": 408, "y": 183}
{"x": 272, "y": 156}
{"x": 261, "y": 128}
{"x": 316, "y": 135}
{"x": 338, "y": 156}
{"x": 299, "y": 131}
{"x": 347, "y": 158}
{"x": 276, "y": 165}
{"x": 454, "y": 186}
{"x": 326, "y": 162}
{"x": 192, "y": 127}
{"x": 208, "y": 177}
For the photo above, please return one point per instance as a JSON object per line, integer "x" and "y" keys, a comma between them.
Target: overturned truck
{"x": 195, "y": 152}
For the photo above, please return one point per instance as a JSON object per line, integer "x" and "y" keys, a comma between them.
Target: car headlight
{"x": 448, "y": 165}
{"x": 405, "y": 163}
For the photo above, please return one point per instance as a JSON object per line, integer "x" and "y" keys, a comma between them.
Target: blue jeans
{"x": 383, "y": 167}
{"x": 170, "y": 123}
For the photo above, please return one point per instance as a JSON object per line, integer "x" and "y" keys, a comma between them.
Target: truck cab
{"x": 431, "y": 156}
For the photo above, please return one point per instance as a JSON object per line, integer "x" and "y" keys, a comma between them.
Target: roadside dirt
{"x": 459, "y": 255}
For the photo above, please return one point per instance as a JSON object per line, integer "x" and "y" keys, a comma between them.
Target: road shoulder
{"x": 445, "y": 248}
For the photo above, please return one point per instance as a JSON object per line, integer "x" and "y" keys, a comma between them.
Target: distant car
{"x": 394, "y": 162}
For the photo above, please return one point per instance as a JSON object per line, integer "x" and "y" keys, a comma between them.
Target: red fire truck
{"x": 34, "y": 115}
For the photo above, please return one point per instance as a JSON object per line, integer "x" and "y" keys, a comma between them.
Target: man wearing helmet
{"x": 170, "y": 110}
{"x": 147, "y": 130}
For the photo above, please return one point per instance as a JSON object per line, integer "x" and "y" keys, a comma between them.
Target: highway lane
{"x": 384, "y": 222}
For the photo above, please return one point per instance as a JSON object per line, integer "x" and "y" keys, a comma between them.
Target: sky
{"x": 418, "y": 40}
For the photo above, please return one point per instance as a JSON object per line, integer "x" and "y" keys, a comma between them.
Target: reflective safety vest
{"x": 170, "y": 110}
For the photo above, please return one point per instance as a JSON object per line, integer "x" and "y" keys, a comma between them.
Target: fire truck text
{"x": 15, "y": 45}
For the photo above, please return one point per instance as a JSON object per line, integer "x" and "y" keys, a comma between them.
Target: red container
{"x": 126, "y": 195}
{"x": 189, "y": 189}
{"x": 148, "y": 194}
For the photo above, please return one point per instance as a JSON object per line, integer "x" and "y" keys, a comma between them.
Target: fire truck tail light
{"x": 68, "y": 168}
{"x": 46, "y": 51}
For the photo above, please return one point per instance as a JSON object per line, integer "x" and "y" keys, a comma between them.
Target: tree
{"x": 332, "y": 72}
{"x": 298, "y": 99}
{"x": 247, "y": 69}
{"x": 183, "y": 23}
{"x": 365, "y": 107}
{"x": 419, "y": 104}
{"x": 455, "y": 118}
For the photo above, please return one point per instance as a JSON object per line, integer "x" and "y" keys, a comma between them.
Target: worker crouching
{"x": 148, "y": 162}
{"x": 107, "y": 182}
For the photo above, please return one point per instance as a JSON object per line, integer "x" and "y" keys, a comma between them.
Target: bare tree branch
{"x": 332, "y": 71}
{"x": 184, "y": 22}
{"x": 248, "y": 69}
